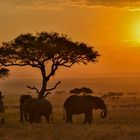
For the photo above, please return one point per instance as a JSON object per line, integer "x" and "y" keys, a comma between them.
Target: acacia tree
{"x": 75, "y": 91}
{"x": 83, "y": 90}
{"x": 115, "y": 96}
{"x": 46, "y": 51}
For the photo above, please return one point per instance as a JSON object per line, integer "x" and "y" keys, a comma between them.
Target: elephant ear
{"x": 93, "y": 105}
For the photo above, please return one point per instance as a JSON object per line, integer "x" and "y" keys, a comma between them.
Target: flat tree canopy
{"x": 83, "y": 90}
{"x": 44, "y": 50}
{"x": 112, "y": 94}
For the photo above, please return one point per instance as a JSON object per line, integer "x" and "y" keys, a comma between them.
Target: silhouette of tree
{"x": 132, "y": 95}
{"x": 46, "y": 51}
{"x": 83, "y": 90}
{"x": 4, "y": 72}
{"x": 86, "y": 91}
{"x": 117, "y": 94}
{"x": 113, "y": 95}
{"x": 76, "y": 91}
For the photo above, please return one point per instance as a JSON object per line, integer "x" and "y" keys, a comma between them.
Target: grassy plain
{"x": 122, "y": 123}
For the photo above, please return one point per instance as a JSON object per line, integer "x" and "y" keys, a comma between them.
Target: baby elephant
{"x": 37, "y": 108}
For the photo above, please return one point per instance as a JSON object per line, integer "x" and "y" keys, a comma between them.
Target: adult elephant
{"x": 83, "y": 104}
{"x": 37, "y": 108}
{"x": 23, "y": 98}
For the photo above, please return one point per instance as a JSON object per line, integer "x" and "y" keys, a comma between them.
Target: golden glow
{"x": 136, "y": 32}
{"x": 115, "y": 33}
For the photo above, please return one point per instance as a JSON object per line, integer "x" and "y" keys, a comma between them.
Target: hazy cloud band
{"x": 36, "y": 3}
{"x": 114, "y": 3}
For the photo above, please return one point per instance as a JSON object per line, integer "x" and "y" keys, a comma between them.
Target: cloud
{"x": 48, "y": 4}
{"x": 39, "y": 4}
{"x": 114, "y": 3}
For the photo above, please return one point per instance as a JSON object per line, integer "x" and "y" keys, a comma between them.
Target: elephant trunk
{"x": 104, "y": 113}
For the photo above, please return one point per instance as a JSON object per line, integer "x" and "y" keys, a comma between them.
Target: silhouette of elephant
{"x": 23, "y": 98}
{"x": 37, "y": 108}
{"x": 83, "y": 104}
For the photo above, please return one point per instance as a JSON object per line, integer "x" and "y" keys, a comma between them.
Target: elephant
{"x": 23, "y": 98}
{"x": 83, "y": 104}
{"x": 37, "y": 108}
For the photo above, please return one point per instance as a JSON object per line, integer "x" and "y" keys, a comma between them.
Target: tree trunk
{"x": 43, "y": 89}
{"x": 45, "y": 79}
{"x": 44, "y": 83}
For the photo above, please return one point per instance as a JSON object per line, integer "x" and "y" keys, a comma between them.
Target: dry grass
{"x": 122, "y": 123}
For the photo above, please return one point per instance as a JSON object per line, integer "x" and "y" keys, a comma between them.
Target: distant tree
{"x": 83, "y": 90}
{"x": 60, "y": 92}
{"x": 113, "y": 95}
{"x": 76, "y": 91}
{"x": 46, "y": 52}
{"x": 104, "y": 96}
{"x": 86, "y": 91}
{"x": 4, "y": 72}
{"x": 133, "y": 95}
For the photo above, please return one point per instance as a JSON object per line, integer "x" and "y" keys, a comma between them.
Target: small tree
{"x": 75, "y": 91}
{"x": 83, "y": 90}
{"x": 132, "y": 95}
{"x": 86, "y": 91}
{"x": 113, "y": 95}
{"x": 46, "y": 52}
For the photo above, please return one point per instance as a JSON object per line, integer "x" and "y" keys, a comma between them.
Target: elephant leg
{"x": 90, "y": 117}
{"x": 26, "y": 117}
{"x": 21, "y": 117}
{"x": 37, "y": 117}
{"x": 86, "y": 118}
{"x": 21, "y": 113}
{"x": 68, "y": 117}
{"x": 31, "y": 118}
{"x": 48, "y": 119}
{"x": 71, "y": 118}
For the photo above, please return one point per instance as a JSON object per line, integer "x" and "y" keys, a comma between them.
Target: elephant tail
{"x": 63, "y": 113}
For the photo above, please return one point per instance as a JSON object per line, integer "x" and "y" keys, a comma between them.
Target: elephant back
{"x": 76, "y": 104}
{"x": 23, "y": 98}
{"x": 71, "y": 101}
{"x": 42, "y": 105}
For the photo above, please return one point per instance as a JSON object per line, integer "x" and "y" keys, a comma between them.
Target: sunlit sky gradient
{"x": 112, "y": 26}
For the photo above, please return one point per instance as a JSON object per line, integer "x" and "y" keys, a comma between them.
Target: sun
{"x": 136, "y": 31}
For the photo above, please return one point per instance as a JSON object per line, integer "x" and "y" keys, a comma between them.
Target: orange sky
{"x": 112, "y": 27}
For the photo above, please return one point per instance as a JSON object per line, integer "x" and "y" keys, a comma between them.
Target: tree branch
{"x": 14, "y": 64}
{"x": 6, "y": 65}
{"x": 54, "y": 86}
{"x": 33, "y": 88}
{"x": 47, "y": 94}
{"x": 68, "y": 66}
{"x": 52, "y": 72}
